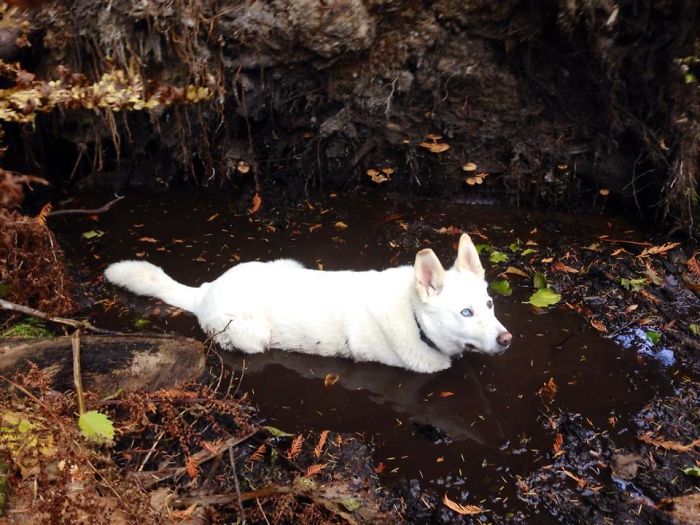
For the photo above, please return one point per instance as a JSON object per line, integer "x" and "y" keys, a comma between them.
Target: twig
{"x": 627, "y": 242}
{"x": 87, "y": 212}
{"x": 13, "y": 307}
{"x": 150, "y": 452}
{"x": 77, "y": 379}
{"x": 204, "y": 455}
{"x": 241, "y": 516}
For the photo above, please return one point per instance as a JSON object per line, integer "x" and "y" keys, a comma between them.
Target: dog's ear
{"x": 430, "y": 275}
{"x": 468, "y": 257}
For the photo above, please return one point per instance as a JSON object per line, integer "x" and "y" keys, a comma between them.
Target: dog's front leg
{"x": 427, "y": 361}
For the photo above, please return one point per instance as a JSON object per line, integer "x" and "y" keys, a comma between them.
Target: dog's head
{"x": 454, "y": 308}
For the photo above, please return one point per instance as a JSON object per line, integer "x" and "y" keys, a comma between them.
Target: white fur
{"x": 369, "y": 316}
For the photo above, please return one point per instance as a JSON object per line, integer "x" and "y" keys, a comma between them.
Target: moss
{"x": 30, "y": 327}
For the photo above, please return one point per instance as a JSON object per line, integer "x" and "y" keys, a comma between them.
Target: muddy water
{"x": 469, "y": 430}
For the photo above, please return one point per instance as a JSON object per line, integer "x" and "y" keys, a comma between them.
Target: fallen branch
{"x": 87, "y": 212}
{"x": 77, "y": 379}
{"x": 13, "y": 307}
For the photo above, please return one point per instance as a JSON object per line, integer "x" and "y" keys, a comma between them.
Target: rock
{"x": 108, "y": 363}
{"x": 625, "y": 466}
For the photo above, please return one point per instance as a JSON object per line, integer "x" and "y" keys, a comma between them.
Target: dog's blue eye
{"x": 467, "y": 312}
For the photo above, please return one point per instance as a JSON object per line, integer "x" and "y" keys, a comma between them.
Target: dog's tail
{"x": 144, "y": 278}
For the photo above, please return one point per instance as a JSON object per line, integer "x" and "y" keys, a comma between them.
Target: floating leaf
{"x": 255, "y": 203}
{"x": 276, "y": 432}
{"x": 330, "y": 380}
{"x": 469, "y": 166}
{"x": 544, "y": 297}
{"x": 340, "y": 225}
{"x": 516, "y": 271}
{"x": 93, "y": 234}
{"x": 96, "y": 426}
{"x": 148, "y": 239}
{"x": 501, "y": 287}
{"x": 498, "y": 257}
{"x": 465, "y": 510}
{"x": 539, "y": 281}
{"x": 654, "y": 337}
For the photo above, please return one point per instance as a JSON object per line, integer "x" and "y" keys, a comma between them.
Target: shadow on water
{"x": 472, "y": 428}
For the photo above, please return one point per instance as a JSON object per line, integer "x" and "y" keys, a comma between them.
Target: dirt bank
{"x": 554, "y": 101}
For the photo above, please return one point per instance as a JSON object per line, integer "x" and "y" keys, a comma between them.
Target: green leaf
{"x": 141, "y": 322}
{"x": 276, "y": 432}
{"x": 539, "y": 281}
{"x": 654, "y": 337}
{"x": 351, "y": 504}
{"x": 498, "y": 257}
{"x": 515, "y": 246}
{"x": 692, "y": 471}
{"x": 544, "y": 297}
{"x": 93, "y": 234}
{"x": 501, "y": 287}
{"x": 481, "y": 248}
{"x": 694, "y": 329}
{"x": 30, "y": 327}
{"x": 96, "y": 426}
{"x": 633, "y": 285}
{"x": 528, "y": 251}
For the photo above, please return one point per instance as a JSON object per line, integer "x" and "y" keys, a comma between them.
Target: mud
{"x": 479, "y": 432}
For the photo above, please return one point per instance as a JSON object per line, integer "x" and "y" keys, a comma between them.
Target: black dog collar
{"x": 424, "y": 337}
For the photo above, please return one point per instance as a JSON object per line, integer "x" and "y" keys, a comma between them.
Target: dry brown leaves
{"x": 658, "y": 250}
{"x": 465, "y": 510}
{"x": 648, "y": 438}
{"x": 558, "y": 442}
{"x": 318, "y": 450}
{"x": 579, "y": 481}
{"x": 259, "y": 453}
{"x": 548, "y": 392}
{"x": 295, "y": 447}
{"x": 561, "y": 267}
{"x": 315, "y": 469}
{"x": 255, "y": 203}
{"x": 192, "y": 467}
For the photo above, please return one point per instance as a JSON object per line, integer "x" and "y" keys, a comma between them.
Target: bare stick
{"x": 87, "y": 212}
{"x": 77, "y": 379}
{"x": 241, "y": 514}
{"x": 13, "y": 307}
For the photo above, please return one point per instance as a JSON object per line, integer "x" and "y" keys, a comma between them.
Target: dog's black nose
{"x": 504, "y": 339}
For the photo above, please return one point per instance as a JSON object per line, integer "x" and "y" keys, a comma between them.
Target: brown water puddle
{"x": 470, "y": 429}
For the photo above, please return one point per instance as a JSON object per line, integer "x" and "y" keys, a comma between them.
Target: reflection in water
{"x": 416, "y": 396}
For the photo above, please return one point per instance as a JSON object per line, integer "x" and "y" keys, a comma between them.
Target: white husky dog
{"x": 416, "y": 318}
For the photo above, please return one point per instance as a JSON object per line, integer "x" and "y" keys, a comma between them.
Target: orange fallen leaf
{"x": 446, "y": 393}
{"x": 547, "y": 259}
{"x": 598, "y": 325}
{"x": 548, "y": 391}
{"x": 315, "y": 469}
{"x": 330, "y": 380}
{"x": 213, "y": 217}
{"x": 558, "y": 442}
{"x": 341, "y": 225}
{"x": 579, "y": 481}
{"x": 561, "y": 267}
{"x": 192, "y": 467}
{"x": 256, "y": 203}
{"x": 469, "y": 166}
{"x": 295, "y": 447}
{"x": 516, "y": 271}
{"x": 321, "y": 442}
{"x": 148, "y": 239}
